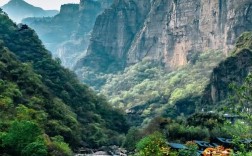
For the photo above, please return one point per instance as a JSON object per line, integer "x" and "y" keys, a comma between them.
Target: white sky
{"x": 45, "y": 4}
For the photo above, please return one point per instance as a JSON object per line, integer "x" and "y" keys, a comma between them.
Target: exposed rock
{"x": 113, "y": 34}
{"x": 233, "y": 70}
{"x": 67, "y": 34}
{"x": 58, "y": 29}
{"x": 162, "y": 30}
{"x": 101, "y": 153}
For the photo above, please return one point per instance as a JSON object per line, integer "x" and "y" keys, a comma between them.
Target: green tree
{"x": 59, "y": 147}
{"x": 154, "y": 144}
{"x": 242, "y": 103}
{"x": 132, "y": 137}
{"x": 209, "y": 120}
{"x": 21, "y": 134}
{"x": 37, "y": 148}
{"x": 192, "y": 149}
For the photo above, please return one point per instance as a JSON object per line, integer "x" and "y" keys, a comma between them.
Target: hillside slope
{"x": 36, "y": 90}
{"x": 234, "y": 69}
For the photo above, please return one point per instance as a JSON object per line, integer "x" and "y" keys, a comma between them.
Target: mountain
{"x": 234, "y": 69}
{"x": 167, "y": 31}
{"x": 152, "y": 57}
{"x": 156, "y": 57}
{"x": 19, "y": 9}
{"x": 44, "y": 108}
{"x": 67, "y": 34}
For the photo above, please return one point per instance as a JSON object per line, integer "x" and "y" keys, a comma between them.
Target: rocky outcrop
{"x": 164, "y": 30}
{"x": 232, "y": 70}
{"x": 58, "y": 29}
{"x": 73, "y": 49}
{"x": 113, "y": 34}
{"x": 67, "y": 34}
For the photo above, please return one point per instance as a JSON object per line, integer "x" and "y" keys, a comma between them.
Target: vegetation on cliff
{"x": 230, "y": 72}
{"x": 148, "y": 88}
{"x": 208, "y": 126}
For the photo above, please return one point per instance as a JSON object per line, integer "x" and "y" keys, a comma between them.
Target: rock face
{"x": 164, "y": 30}
{"x": 114, "y": 32}
{"x": 55, "y": 30}
{"x": 233, "y": 70}
{"x": 67, "y": 34}
{"x": 19, "y": 9}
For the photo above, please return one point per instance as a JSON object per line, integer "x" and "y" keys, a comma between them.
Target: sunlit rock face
{"x": 165, "y": 30}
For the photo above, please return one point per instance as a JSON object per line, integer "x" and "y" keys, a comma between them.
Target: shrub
{"x": 20, "y": 134}
{"x": 154, "y": 144}
{"x": 35, "y": 149}
{"x": 191, "y": 150}
{"x": 59, "y": 147}
{"x": 132, "y": 137}
{"x": 183, "y": 133}
{"x": 209, "y": 120}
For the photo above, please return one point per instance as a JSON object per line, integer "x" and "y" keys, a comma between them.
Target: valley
{"x": 113, "y": 75}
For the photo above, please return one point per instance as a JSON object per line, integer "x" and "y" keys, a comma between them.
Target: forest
{"x": 147, "y": 109}
{"x": 45, "y": 110}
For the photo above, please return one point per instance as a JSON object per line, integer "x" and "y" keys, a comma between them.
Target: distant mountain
{"x": 19, "y": 9}
{"x": 68, "y": 33}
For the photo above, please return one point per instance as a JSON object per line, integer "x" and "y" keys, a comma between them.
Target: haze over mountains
{"x": 117, "y": 52}
{"x": 19, "y": 9}
{"x": 171, "y": 70}
{"x": 67, "y": 34}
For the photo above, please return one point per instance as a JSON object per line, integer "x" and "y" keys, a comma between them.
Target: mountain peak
{"x": 20, "y": 9}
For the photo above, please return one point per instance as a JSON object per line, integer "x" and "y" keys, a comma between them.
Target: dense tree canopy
{"x": 38, "y": 93}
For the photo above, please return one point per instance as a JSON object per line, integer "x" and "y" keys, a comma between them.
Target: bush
{"x": 184, "y": 133}
{"x": 21, "y": 134}
{"x": 132, "y": 137}
{"x": 154, "y": 144}
{"x": 209, "y": 120}
{"x": 192, "y": 149}
{"x": 35, "y": 149}
{"x": 59, "y": 147}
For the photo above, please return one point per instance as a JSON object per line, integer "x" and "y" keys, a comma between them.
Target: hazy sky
{"x": 45, "y": 4}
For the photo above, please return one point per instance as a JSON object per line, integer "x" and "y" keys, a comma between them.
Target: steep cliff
{"x": 67, "y": 34}
{"x": 233, "y": 70}
{"x": 113, "y": 34}
{"x": 55, "y": 30}
{"x": 155, "y": 57}
{"x": 167, "y": 31}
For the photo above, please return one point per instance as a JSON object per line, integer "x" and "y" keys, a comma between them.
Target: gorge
{"x": 145, "y": 69}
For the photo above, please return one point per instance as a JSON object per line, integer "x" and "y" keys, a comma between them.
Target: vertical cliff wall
{"x": 67, "y": 34}
{"x": 165, "y": 30}
{"x": 114, "y": 32}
